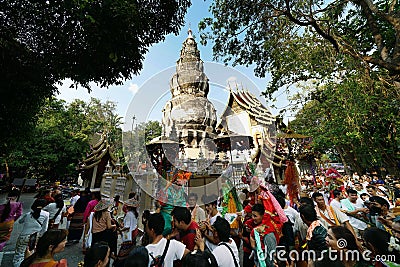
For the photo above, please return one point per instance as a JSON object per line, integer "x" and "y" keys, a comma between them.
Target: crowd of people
{"x": 355, "y": 223}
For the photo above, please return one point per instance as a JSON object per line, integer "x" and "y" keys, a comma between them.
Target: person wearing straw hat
{"x": 129, "y": 232}
{"x": 102, "y": 227}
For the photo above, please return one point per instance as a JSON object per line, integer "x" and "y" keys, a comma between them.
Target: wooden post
{"x": 94, "y": 177}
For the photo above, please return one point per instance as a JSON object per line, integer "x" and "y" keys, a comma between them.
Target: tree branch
{"x": 391, "y": 19}
{"x": 382, "y": 49}
{"x": 394, "y": 68}
{"x": 392, "y": 5}
{"x": 312, "y": 23}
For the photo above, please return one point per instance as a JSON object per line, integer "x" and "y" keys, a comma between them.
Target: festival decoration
{"x": 249, "y": 173}
{"x": 292, "y": 181}
{"x": 231, "y": 202}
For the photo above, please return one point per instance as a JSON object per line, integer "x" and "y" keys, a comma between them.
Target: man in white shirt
{"x": 75, "y": 196}
{"x": 205, "y": 227}
{"x": 330, "y": 216}
{"x": 226, "y": 253}
{"x": 353, "y": 206}
{"x": 373, "y": 191}
{"x": 337, "y": 197}
{"x": 158, "y": 246}
{"x": 359, "y": 188}
{"x": 299, "y": 227}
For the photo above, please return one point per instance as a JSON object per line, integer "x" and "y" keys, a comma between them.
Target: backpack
{"x": 158, "y": 261}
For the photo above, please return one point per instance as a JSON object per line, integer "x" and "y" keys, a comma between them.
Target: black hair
{"x": 245, "y": 190}
{"x": 258, "y": 208}
{"x": 211, "y": 200}
{"x": 139, "y": 256}
{"x": 336, "y": 193}
{"x": 199, "y": 259}
{"x": 351, "y": 191}
{"x": 223, "y": 229}
{"x": 156, "y": 222}
{"x": 182, "y": 214}
{"x": 51, "y": 237}
{"x": 37, "y": 206}
{"x": 316, "y": 194}
{"x": 134, "y": 210}
{"x": 117, "y": 197}
{"x": 145, "y": 215}
{"x": 59, "y": 201}
{"x": 371, "y": 187}
{"x": 98, "y": 213}
{"x": 363, "y": 195}
{"x": 193, "y": 195}
{"x": 379, "y": 239}
{"x": 96, "y": 195}
{"x": 308, "y": 212}
{"x": 279, "y": 193}
{"x": 97, "y": 252}
{"x": 7, "y": 207}
{"x": 380, "y": 200}
{"x": 132, "y": 195}
{"x": 281, "y": 200}
{"x": 245, "y": 202}
{"x": 341, "y": 232}
{"x": 306, "y": 201}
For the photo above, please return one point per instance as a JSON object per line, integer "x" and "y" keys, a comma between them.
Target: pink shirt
{"x": 89, "y": 208}
{"x": 15, "y": 212}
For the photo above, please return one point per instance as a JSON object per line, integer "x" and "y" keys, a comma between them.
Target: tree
{"x": 351, "y": 50}
{"x": 45, "y": 42}
{"x": 279, "y": 37}
{"x": 357, "y": 119}
{"x": 134, "y": 142}
{"x": 62, "y": 136}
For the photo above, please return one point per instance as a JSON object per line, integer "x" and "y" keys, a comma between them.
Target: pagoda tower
{"x": 189, "y": 116}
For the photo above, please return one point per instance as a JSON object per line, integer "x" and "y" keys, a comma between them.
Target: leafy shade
{"x": 358, "y": 119}
{"x": 62, "y": 137}
{"x": 134, "y": 142}
{"x": 44, "y": 42}
{"x": 280, "y": 37}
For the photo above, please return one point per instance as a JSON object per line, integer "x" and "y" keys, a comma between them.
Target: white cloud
{"x": 134, "y": 88}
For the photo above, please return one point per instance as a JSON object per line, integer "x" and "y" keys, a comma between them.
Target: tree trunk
{"x": 348, "y": 159}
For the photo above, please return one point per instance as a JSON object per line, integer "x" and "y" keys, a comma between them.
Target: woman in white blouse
{"x": 35, "y": 221}
{"x": 129, "y": 232}
{"x": 56, "y": 211}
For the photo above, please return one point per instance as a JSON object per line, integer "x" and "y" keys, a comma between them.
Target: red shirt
{"x": 249, "y": 225}
{"x": 188, "y": 236}
{"x": 271, "y": 225}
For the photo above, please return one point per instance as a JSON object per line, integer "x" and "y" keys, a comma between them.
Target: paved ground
{"x": 72, "y": 253}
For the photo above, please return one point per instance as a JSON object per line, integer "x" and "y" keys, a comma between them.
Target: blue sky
{"x": 145, "y": 94}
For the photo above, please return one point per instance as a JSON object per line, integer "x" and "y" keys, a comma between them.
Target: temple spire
{"x": 190, "y": 32}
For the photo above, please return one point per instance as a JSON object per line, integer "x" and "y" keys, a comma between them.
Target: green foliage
{"x": 299, "y": 40}
{"x": 62, "y": 137}
{"x": 134, "y": 141}
{"x": 45, "y": 42}
{"x": 357, "y": 118}
{"x": 346, "y": 52}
